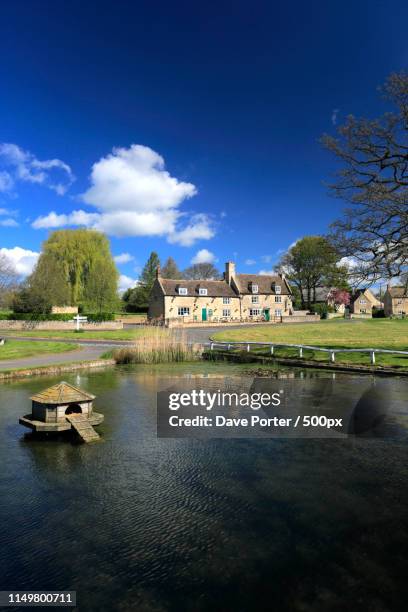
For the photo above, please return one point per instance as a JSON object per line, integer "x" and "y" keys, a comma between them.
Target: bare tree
{"x": 201, "y": 271}
{"x": 8, "y": 279}
{"x": 374, "y": 180}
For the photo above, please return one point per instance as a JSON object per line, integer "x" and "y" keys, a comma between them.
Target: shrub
{"x": 158, "y": 346}
{"x": 321, "y": 309}
{"x": 37, "y": 316}
{"x": 93, "y": 317}
{"x": 378, "y": 313}
{"x": 98, "y": 317}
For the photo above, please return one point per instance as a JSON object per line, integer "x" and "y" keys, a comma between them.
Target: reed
{"x": 158, "y": 345}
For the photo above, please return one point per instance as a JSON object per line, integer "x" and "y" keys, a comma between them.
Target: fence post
{"x": 372, "y": 355}
{"x": 332, "y": 356}
{"x": 272, "y": 347}
{"x": 228, "y": 348}
{"x": 300, "y": 351}
{"x": 247, "y": 348}
{"x": 212, "y": 346}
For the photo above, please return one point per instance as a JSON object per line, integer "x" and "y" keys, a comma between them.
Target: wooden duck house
{"x": 63, "y": 407}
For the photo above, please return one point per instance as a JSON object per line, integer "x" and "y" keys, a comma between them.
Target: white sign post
{"x": 78, "y": 319}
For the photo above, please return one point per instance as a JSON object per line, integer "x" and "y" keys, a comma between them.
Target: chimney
{"x": 158, "y": 272}
{"x": 229, "y": 271}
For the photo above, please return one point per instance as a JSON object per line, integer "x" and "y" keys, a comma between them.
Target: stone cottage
{"x": 396, "y": 301}
{"x": 238, "y": 297}
{"x": 363, "y": 301}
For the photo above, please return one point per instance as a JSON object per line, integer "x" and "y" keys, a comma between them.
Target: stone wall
{"x": 301, "y": 319}
{"x": 58, "y": 325}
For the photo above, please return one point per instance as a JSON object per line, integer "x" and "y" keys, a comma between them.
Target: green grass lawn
{"x": 13, "y": 349}
{"x": 118, "y": 334}
{"x": 373, "y": 333}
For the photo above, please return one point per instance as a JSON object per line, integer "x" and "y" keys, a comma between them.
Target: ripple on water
{"x": 137, "y": 522}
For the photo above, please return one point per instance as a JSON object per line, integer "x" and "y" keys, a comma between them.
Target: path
{"x": 88, "y": 353}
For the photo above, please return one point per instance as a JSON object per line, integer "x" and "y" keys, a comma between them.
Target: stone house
{"x": 396, "y": 301}
{"x": 363, "y": 301}
{"x": 64, "y": 310}
{"x": 238, "y": 297}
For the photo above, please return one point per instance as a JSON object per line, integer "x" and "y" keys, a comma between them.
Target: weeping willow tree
{"x": 76, "y": 268}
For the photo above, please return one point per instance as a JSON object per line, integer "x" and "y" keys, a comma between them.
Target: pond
{"x": 140, "y": 523}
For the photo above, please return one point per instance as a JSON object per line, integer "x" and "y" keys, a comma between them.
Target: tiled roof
{"x": 214, "y": 288}
{"x": 265, "y": 283}
{"x": 62, "y": 393}
{"x": 398, "y": 292}
{"x": 367, "y": 293}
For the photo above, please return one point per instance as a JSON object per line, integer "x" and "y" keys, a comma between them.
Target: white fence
{"x": 301, "y": 347}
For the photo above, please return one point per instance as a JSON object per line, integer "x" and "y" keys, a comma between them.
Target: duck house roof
{"x": 62, "y": 393}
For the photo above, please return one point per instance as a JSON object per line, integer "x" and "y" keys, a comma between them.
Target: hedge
{"x": 93, "y": 317}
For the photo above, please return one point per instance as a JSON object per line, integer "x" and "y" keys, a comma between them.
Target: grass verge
{"x": 373, "y": 333}
{"x": 13, "y": 349}
{"x": 118, "y": 334}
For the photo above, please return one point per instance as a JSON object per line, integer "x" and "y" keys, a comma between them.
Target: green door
{"x": 266, "y": 314}
{"x": 203, "y": 314}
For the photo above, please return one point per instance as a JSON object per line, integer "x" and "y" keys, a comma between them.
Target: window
{"x": 255, "y": 299}
{"x": 226, "y": 312}
{"x": 202, "y": 291}
{"x": 363, "y": 301}
{"x": 226, "y": 300}
{"x": 183, "y": 311}
{"x": 278, "y": 289}
{"x": 254, "y": 288}
{"x": 363, "y": 310}
{"x": 278, "y": 299}
{"x": 182, "y": 291}
{"x": 278, "y": 313}
{"x": 254, "y": 312}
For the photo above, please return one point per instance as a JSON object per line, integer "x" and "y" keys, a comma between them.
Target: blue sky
{"x": 180, "y": 127}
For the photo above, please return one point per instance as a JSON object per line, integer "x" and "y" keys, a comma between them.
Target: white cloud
{"x": 334, "y": 115}
{"x": 266, "y": 258}
{"x": 6, "y": 181}
{"x": 203, "y": 256}
{"x": 126, "y": 282}
{"x": 134, "y": 179}
{"x": 6, "y": 212}
{"x": 198, "y": 228}
{"x": 250, "y": 262}
{"x": 9, "y": 223}
{"x": 267, "y": 272}
{"x": 77, "y": 217}
{"x": 135, "y": 195}
{"x": 24, "y": 166}
{"x": 23, "y": 260}
{"x": 123, "y": 258}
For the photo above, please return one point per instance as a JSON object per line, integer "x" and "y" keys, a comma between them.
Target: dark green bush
{"x": 93, "y": 317}
{"x": 378, "y": 313}
{"x": 36, "y": 316}
{"x": 98, "y": 317}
